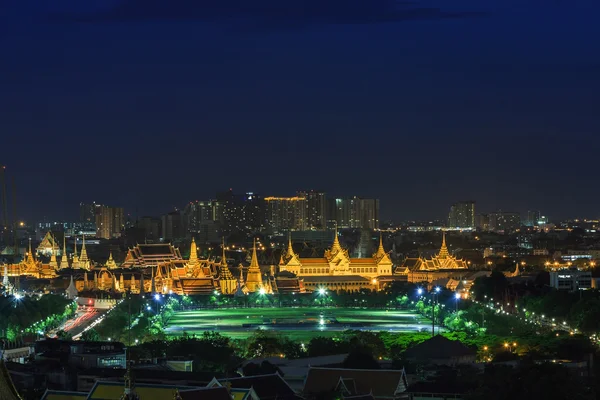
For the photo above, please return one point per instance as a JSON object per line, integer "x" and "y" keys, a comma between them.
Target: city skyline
{"x": 461, "y": 101}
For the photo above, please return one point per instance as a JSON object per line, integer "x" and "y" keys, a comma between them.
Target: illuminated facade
{"x": 441, "y": 262}
{"x": 48, "y": 246}
{"x": 150, "y": 255}
{"x": 336, "y": 270}
{"x": 285, "y": 213}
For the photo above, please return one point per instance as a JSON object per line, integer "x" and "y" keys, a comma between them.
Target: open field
{"x": 296, "y": 323}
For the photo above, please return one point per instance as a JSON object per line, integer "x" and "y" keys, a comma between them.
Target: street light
{"x": 457, "y": 298}
{"x": 420, "y": 291}
{"x": 434, "y": 294}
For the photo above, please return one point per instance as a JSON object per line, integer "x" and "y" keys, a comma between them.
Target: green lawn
{"x": 296, "y": 323}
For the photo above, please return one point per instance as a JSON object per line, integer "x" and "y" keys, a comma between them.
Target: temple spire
{"x": 336, "y": 242}
{"x": 30, "y": 259}
{"x": 110, "y": 263}
{"x": 443, "y": 250}
{"x": 84, "y": 256}
{"x": 64, "y": 261}
{"x": 254, "y": 262}
{"x": 53, "y": 263}
{"x": 223, "y": 257}
{"x": 193, "y": 260}
{"x": 290, "y": 251}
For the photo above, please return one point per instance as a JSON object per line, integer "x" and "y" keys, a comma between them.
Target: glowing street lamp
{"x": 262, "y": 291}
{"x": 420, "y": 291}
{"x": 322, "y": 291}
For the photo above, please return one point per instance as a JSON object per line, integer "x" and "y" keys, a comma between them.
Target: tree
{"x": 64, "y": 335}
{"x": 361, "y": 358}
{"x": 91, "y": 335}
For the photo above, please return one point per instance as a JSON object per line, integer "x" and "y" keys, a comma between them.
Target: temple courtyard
{"x": 297, "y": 323}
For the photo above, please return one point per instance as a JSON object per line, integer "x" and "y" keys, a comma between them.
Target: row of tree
{"x": 33, "y": 314}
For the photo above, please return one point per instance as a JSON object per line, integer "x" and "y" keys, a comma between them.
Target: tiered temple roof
{"x": 337, "y": 262}
{"x": 442, "y": 261}
{"x": 150, "y": 255}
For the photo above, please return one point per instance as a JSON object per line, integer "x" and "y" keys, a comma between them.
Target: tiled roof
{"x": 267, "y": 387}
{"x": 379, "y": 382}
{"x": 439, "y": 347}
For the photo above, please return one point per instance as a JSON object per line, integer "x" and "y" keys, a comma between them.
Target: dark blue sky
{"x": 421, "y": 106}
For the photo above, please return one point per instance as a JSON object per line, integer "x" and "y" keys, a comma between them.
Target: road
{"x": 84, "y": 317}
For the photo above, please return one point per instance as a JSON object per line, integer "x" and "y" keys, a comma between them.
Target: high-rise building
{"x": 285, "y": 213}
{"x": 533, "y": 218}
{"x": 196, "y": 213}
{"x": 502, "y": 221}
{"x": 253, "y": 212}
{"x": 173, "y": 226}
{"x": 87, "y": 212}
{"x": 151, "y": 227}
{"x": 109, "y": 221}
{"x": 355, "y": 213}
{"x": 462, "y": 215}
{"x": 482, "y": 222}
{"x": 316, "y": 209}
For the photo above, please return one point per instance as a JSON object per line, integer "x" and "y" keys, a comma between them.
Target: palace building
{"x": 441, "y": 266}
{"x": 150, "y": 255}
{"x": 336, "y": 270}
{"x": 442, "y": 261}
{"x": 48, "y": 246}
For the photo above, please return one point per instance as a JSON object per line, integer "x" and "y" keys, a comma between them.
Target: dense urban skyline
{"x": 491, "y": 102}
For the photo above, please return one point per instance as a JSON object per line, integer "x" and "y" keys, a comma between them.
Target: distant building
{"x": 462, "y": 215}
{"x": 571, "y": 279}
{"x": 285, "y": 213}
{"x": 151, "y": 227}
{"x": 173, "y": 226}
{"x": 533, "y": 218}
{"x": 506, "y": 222}
{"x": 316, "y": 208}
{"x": 81, "y": 354}
{"x": 354, "y": 213}
{"x": 109, "y": 221}
{"x": 442, "y": 261}
{"x": 482, "y": 222}
{"x": 87, "y": 212}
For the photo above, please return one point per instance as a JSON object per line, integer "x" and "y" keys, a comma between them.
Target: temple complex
{"x": 254, "y": 277}
{"x": 64, "y": 261}
{"x": 336, "y": 270}
{"x": 442, "y": 261}
{"x": 84, "y": 261}
{"x": 150, "y": 255}
{"x": 227, "y": 282}
{"x": 110, "y": 263}
{"x": 48, "y": 246}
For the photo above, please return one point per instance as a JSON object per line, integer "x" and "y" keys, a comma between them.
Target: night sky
{"x": 152, "y": 103}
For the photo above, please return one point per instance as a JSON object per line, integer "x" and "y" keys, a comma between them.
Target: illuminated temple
{"x": 441, "y": 266}
{"x": 336, "y": 270}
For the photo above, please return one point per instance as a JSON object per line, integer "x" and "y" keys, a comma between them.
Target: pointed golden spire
{"x": 110, "y": 263}
{"x": 30, "y": 260}
{"x": 53, "y": 263}
{"x": 335, "y": 247}
{"x": 193, "y": 260}
{"x": 223, "y": 257}
{"x": 64, "y": 261}
{"x": 84, "y": 256}
{"x": 290, "y": 250}
{"x": 254, "y": 262}
{"x": 443, "y": 250}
